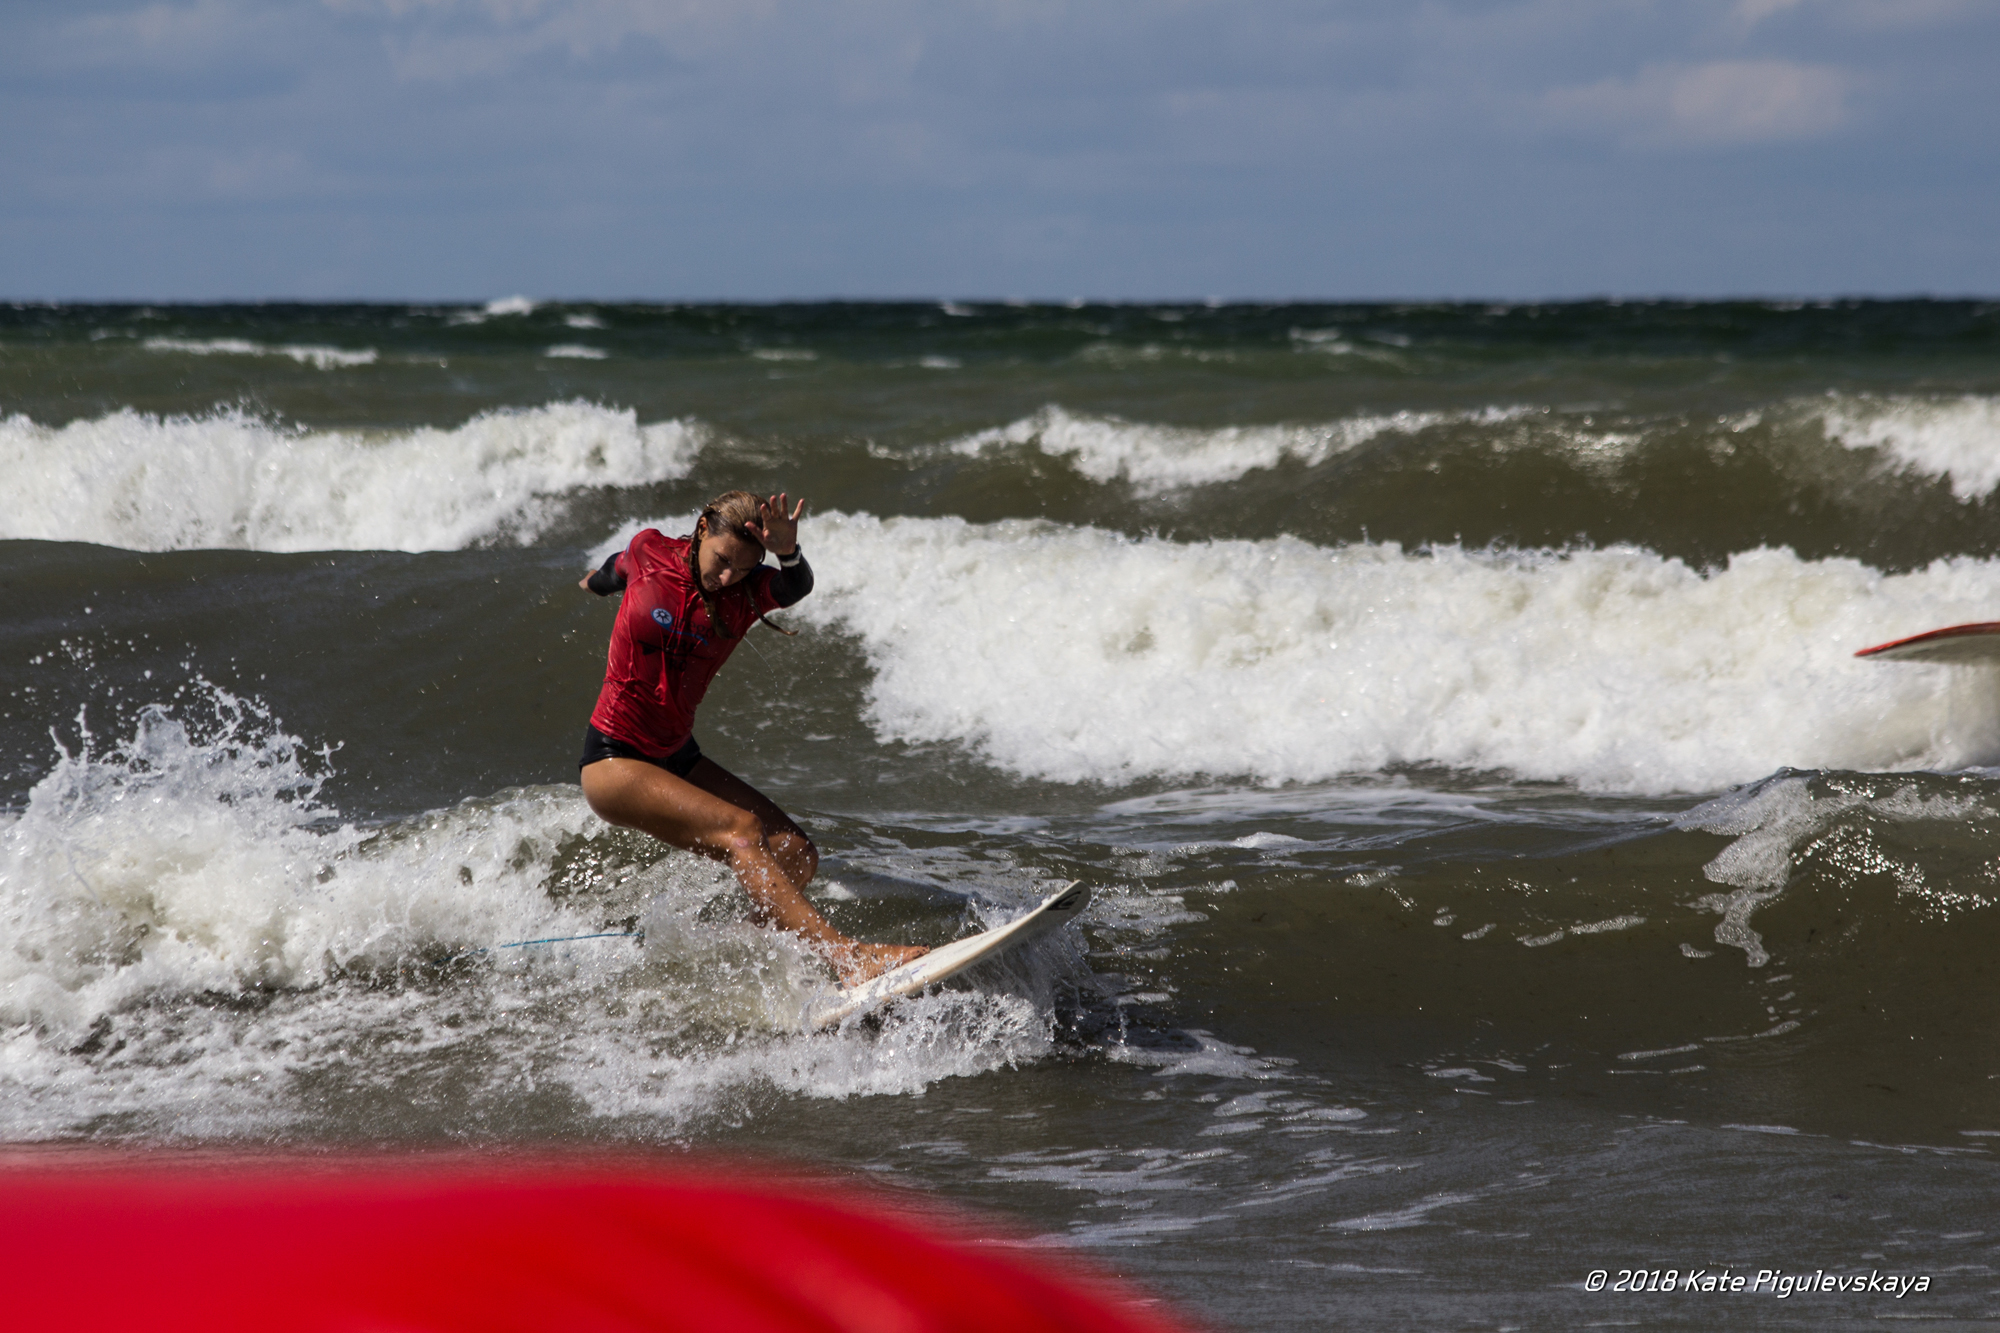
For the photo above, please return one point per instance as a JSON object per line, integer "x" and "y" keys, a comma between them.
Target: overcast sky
{"x": 1137, "y": 149}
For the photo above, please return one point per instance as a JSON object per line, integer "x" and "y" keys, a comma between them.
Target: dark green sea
{"x": 1504, "y": 868}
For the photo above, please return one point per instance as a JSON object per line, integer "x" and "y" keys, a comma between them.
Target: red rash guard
{"x": 664, "y": 652}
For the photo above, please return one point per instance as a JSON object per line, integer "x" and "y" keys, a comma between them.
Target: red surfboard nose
{"x": 1977, "y": 644}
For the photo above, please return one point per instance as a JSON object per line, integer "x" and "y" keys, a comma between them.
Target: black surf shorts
{"x": 597, "y": 745}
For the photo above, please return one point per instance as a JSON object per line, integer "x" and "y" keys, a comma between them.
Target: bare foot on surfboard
{"x": 858, "y": 962}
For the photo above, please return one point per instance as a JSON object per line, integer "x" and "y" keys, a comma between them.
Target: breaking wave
{"x": 228, "y": 479}
{"x": 1077, "y": 654}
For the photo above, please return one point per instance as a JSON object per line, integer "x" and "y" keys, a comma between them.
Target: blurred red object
{"x": 552, "y": 1245}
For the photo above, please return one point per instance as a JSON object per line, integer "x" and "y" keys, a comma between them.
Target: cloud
{"x": 797, "y": 147}
{"x": 1723, "y": 102}
{"x": 1749, "y": 13}
{"x": 458, "y": 41}
{"x": 161, "y": 27}
{"x": 150, "y": 47}
{"x": 1861, "y": 15}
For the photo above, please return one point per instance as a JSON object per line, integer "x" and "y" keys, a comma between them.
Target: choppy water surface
{"x": 1504, "y": 868}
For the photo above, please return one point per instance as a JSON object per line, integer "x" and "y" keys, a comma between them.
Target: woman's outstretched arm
{"x": 609, "y": 578}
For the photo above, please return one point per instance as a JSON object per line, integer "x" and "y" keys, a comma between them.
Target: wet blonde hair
{"x": 728, "y": 514}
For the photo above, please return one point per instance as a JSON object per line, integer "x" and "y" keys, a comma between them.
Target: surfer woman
{"x": 688, "y": 600}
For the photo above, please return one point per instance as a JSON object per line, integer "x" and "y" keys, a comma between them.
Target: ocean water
{"x": 1505, "y": 871}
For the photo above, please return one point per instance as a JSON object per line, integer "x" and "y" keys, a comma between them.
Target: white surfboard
{"x": 1957, "y": 645}
{"x": 1056, "y": 910}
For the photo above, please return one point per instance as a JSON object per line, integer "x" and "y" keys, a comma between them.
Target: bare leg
{"x": 716, "y": 814}
{"x": 796, "y": 857}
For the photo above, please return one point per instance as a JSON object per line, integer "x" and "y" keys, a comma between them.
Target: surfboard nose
{"x": 1069, "y": 898}
{"x": 1054, "y": 911}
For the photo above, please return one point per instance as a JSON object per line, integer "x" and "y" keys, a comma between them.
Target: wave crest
{"x": 1957, "y": 438}
{"x": 150, "y": 483}
{"x": 1076, "y": 654}
{"x": 1156, "y": 458}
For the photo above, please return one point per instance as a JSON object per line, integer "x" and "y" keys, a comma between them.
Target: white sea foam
{"x": 1077, "y": 654}
{"x": 189, "y": 936}
{"x": 1415, "y": 1215}
{"x": 1335, "y": 342}
{"x": 311, "y": 354}
{"x": 182, "y": 862}
{"x": 231, "y": 480}
{"x": 1772, "y": 821}
{"x": 505, "y": 306}
{"x": 1955, "y": 437}
{"x": 576, "y": 352}
{"x": 1155, "y": 458}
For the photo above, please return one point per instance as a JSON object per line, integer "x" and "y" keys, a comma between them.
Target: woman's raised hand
{"x": 778, "y": 530}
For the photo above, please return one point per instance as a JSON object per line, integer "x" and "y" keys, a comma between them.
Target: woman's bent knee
{"x": 796, "y": 850}
{"x": 600, "y": 793}
{"x": 744, "y": 832}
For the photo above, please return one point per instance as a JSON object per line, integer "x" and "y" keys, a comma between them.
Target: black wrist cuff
{"x": 605, "y": 580}
{"x": 797, "y": 557}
